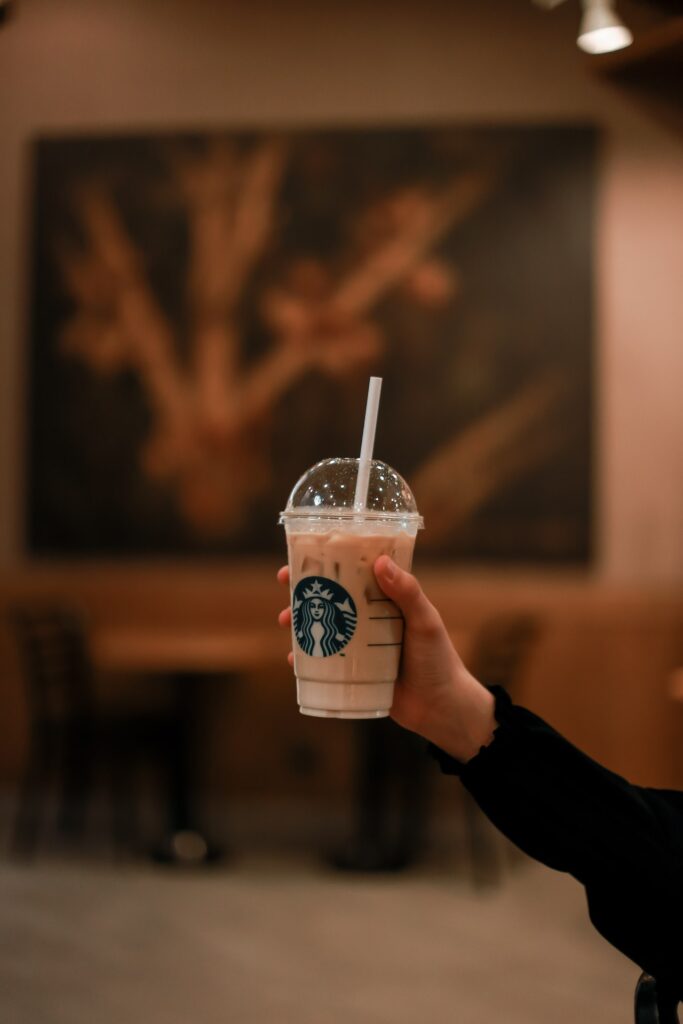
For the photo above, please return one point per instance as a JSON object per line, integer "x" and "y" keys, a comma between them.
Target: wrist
{"x": 464, "y": 721}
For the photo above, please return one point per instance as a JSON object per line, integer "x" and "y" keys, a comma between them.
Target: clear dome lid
{"x": 328, "y": 490}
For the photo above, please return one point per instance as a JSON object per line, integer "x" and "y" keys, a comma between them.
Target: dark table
{"x": 187, "y": 657}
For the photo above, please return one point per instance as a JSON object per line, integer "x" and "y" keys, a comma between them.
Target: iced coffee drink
{"x": 346, "y": 634}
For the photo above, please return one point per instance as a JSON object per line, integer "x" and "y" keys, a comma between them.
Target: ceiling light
{"x": 601, "y": 28}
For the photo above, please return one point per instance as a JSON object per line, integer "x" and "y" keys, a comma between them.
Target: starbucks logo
{"x": 324, "y": 616}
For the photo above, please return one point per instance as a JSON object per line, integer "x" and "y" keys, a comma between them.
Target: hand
{"x": 435, "y": 695}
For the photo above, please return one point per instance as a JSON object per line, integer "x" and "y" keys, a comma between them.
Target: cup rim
{"x": 350, "y": 514}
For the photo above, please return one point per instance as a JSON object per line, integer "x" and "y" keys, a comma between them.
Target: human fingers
{"x": 405, "y": 591}
{"x": 290, "y": 659}
{"x": 285, "y": 617}
{"x": 283, "y": 575}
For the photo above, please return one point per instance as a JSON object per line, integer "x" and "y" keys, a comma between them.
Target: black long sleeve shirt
{"x": 624, "y": 843}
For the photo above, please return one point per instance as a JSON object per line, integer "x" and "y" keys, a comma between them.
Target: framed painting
{"x": 207, "y": 308}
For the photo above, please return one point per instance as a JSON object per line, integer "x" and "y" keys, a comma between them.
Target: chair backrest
{"x": 501, "y": 647}
{"x": 652, "y": 1006}
{"x": 53, "y": 648}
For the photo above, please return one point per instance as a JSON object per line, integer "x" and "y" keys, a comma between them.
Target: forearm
{"x": 559, "y": 805}
{"x": 623, "y": 842}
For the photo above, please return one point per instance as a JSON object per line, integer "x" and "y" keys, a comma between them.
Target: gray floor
{"x": 274, "y": 938}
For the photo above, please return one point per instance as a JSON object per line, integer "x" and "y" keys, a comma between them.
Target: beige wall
{"x": 82, "y": 64}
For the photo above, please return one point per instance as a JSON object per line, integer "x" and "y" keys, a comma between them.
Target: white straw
{"x": 367, "y": 444}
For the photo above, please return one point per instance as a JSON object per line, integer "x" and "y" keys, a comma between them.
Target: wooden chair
{"x": 73, "y": 736}
{"x": 652, "y": 1006}
{"x": 501, "y": 648}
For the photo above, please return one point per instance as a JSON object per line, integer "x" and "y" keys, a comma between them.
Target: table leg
{"x": 186, "y": 842}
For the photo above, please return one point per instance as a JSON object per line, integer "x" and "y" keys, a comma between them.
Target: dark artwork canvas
{"x": 207, "y": 309}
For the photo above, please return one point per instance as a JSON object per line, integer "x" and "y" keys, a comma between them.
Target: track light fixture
{"x": 601, "y": 29}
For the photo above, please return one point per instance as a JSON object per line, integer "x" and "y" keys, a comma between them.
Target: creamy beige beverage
{"x": 346, "y": 634}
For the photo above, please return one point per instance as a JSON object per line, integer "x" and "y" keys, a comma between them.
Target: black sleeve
{"x": 624, "y": 843}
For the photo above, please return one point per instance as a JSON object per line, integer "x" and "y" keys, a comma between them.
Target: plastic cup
{"x": 346, "y": 634}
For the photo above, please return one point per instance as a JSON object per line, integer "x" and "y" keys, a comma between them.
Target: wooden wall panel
{"x": 600, "y": 670}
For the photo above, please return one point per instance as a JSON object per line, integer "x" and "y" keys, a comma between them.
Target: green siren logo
{"x": 324, "y": 616}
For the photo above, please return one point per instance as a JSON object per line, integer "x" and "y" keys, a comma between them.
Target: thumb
{"x": 406, "y": 592}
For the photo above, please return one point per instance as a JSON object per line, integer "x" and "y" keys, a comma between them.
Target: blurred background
{"x": 217, "y": 219}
